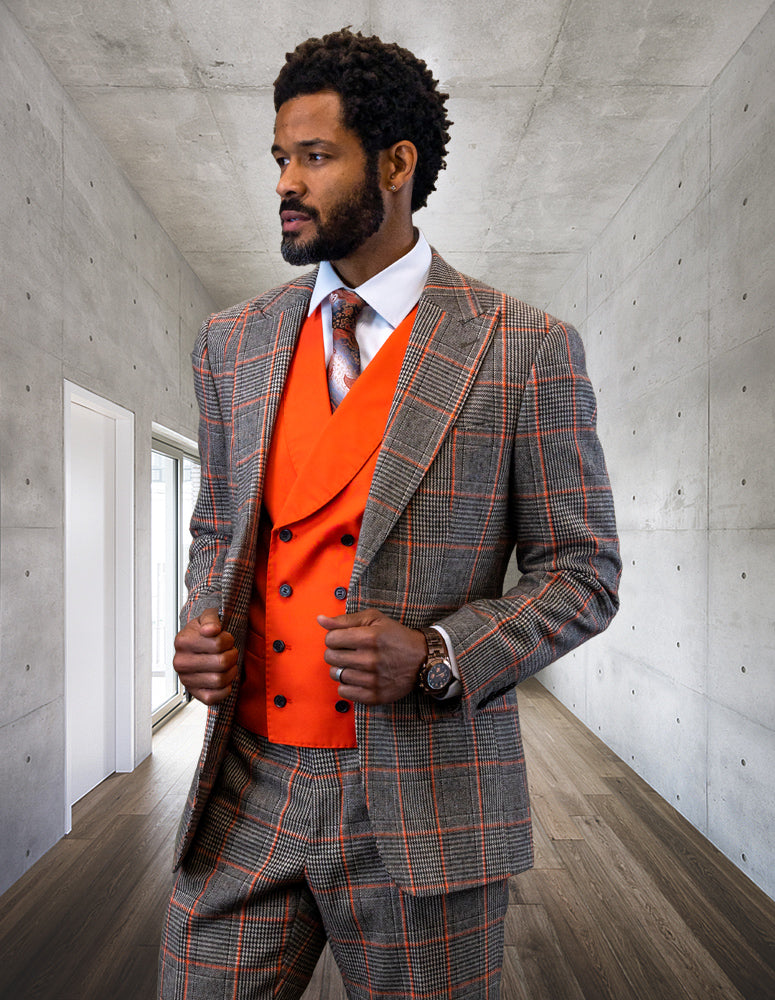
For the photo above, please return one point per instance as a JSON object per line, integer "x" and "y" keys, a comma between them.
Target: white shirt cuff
{"x": 456, "y": 688}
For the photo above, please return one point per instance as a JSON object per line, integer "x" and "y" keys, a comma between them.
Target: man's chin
{"x": 299, "y": 254}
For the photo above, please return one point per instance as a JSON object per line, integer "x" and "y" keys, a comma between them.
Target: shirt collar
{"x": 392, "y": 293}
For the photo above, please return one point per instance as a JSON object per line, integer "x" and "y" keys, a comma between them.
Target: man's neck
{"x": 375, "y": 254}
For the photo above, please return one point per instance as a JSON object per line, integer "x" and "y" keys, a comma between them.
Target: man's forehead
{"x": 319, "y": 111}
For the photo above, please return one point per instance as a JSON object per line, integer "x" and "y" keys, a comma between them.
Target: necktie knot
{"x": 345, "y": 364}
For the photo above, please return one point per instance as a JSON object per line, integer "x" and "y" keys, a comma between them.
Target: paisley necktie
{"x": 345, "y": 364}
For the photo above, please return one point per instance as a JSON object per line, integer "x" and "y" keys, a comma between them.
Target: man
{"x": 370, "y": 462}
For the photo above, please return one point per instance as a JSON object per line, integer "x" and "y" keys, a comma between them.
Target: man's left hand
{"x": 380, "y": 657}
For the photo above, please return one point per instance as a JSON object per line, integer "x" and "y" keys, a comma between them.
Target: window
{"x": 174, "y": 488}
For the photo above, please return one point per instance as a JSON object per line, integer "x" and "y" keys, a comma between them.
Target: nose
{"x": 290, "y": 184}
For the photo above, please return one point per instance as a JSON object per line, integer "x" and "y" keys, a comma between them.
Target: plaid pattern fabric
{"x": 284, "y": 858}
{"x": 490, "y": 448}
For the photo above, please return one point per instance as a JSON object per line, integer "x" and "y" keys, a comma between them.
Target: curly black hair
{"x": 387, "y": 95}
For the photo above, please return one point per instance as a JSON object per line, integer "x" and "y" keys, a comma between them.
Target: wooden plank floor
{"x": 626, "y": 900}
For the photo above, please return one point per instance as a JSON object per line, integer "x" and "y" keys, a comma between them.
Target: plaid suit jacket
{"x": 490, "y": 448}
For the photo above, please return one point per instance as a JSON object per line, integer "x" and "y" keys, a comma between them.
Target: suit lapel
{"x": 449, "y": 339}
{"x": 264, "y": 354}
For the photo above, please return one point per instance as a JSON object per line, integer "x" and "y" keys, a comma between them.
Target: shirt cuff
{"x": 456, "y": 687}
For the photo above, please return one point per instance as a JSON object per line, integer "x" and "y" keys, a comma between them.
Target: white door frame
{"x": 124, "y": 421}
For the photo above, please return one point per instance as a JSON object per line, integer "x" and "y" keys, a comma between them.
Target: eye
{"x": 281, "y": 161}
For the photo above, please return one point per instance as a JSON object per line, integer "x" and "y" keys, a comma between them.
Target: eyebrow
{"x": 304, "y": 144}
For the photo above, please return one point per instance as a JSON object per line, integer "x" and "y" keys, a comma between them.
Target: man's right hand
{"x": 206, "y": 658}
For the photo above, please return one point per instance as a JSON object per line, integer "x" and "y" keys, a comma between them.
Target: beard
{"x": 351, "y": 221}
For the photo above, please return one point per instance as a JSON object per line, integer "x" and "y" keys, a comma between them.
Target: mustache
{"x": 296, "y": 205}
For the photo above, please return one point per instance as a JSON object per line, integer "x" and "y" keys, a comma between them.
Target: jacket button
{"x": 280, "y": 700}
{"x": 340, "y": 593}
{"x": 342, "y": 706}
{"x": 348, "y": 540}
{"x": 278, "y": 645}
{"x": 285, "y": 534}
{"x": 285, "y": 590}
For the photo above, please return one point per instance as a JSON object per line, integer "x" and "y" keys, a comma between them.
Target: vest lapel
{"x": 349, "y": 436}
{"x": 305, "y": 406}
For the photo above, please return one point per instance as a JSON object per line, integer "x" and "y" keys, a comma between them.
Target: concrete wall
{"x": 92, "y": 291}
{"x": 675, "y": 304}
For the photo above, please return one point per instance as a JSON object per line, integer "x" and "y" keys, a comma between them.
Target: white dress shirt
{"x": 389, "y": 296}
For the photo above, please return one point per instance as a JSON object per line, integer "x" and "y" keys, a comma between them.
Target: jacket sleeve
{"x": 563, "y": 524}
{"x": 211, "y": 522}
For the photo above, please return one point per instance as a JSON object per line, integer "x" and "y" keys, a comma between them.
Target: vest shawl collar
{"x": 346, "y": 439}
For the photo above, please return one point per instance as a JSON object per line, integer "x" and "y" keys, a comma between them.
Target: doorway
{"x": 99, "y": 588}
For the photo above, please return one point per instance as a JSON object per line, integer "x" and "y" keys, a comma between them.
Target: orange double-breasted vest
{"x": 318, "y": 475}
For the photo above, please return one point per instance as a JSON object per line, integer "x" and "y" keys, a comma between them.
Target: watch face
{"x": 438, "y": 675}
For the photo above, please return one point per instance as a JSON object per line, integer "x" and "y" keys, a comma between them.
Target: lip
{"x": 293, "y": 221}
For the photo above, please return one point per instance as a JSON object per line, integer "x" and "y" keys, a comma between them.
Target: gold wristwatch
{"x": 435, "y": 674}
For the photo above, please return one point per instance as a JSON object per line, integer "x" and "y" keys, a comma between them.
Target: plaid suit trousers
{"x": 283, "y": 859}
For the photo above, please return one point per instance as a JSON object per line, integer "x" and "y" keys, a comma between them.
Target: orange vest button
{"x": 285, "y": 590}
{"x": 280, "y": 700}
{"x": 348, "y": 540}
{"x": 285, "y": 534}
{"x": 278, "y": 645}
{"x": 342, "y": 706}
{"x": 340, "y": 593}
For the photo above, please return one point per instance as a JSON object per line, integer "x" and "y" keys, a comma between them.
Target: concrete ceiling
{"x": 560, "y": 106}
